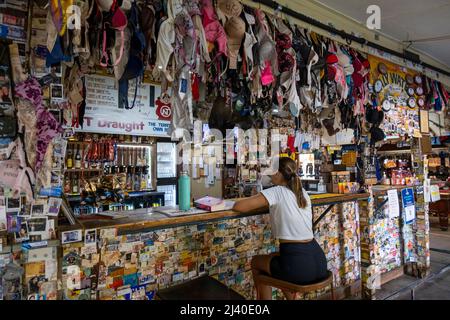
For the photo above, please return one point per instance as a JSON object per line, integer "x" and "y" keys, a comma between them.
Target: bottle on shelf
{"x": 69, "y": 163}
{"x": 67, "y": 186}
{"x": 120, "y": 154}
{"x": 116, "y": 162}
{"x": 129, "y": 182}
{"x": 75, "y": 188}
{"x": 386, "y": 181}
{"x": 144, "y": 178}
{"x": 321, "y": 187}
{"x": 78, "y": 159}
{"x": 85, "y": 161}
{"x": 137, "y": 179}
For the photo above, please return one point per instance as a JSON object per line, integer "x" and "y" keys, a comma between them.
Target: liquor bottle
{"x": 137, "y": 179}
{"x": 122, "y": 155}
{"x": 75, "y": 189}
{"x": 129, "y": 183}
{"x": 67, "y": 187}
{"x": 116, "y": 162}
{"x": 78, "y": 159}
{"x": 144, "y": 178}
{"x": 69, "y": 163}
{"x": 85, "y": 160}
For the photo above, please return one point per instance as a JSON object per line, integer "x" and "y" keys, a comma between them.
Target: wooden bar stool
{"x": 290, "y": 289}
{"x": 202, "y": 288}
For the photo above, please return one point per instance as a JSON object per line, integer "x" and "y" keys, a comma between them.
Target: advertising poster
{"x": 147, "y": 118}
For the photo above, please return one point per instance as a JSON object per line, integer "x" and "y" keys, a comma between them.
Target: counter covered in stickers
{"x": 395, "y": 236}
{"x": 131, "y": 258}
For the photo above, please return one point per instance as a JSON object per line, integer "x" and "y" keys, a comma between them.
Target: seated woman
{"x": 300, "y": 259}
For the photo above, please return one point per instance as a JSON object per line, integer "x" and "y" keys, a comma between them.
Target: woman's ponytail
{"x": 288, "y": 169}
{"x": 295, "y": 184}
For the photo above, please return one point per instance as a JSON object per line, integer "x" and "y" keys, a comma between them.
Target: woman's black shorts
{"x": 299, "y": 263}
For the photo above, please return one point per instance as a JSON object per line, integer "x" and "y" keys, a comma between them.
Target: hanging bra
{"x": 214, "y": 31}
{"x": 266, "y": 49}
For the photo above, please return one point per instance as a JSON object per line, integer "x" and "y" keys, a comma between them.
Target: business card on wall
{"x": 41, "y": 254}
{"x": 108, "y": 233}
{"x": 71, "y": 236}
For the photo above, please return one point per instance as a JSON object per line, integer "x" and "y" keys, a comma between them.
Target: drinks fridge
{"x": 166, "y": 171}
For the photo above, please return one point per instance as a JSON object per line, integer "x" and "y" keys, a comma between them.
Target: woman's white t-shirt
{"x": 288, "y": 221}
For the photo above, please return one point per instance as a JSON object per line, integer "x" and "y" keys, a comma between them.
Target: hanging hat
{"x": 193, "y": 7}
{"x": 104, "y": 5}
{"x": 374, "y": 116}
{"x": 329, "y": 126}
{"x": 230, "y": 8}
{"x": 220, "y": 117}
{"x": 376, "y": 134}
{"x": 332, "y": 58}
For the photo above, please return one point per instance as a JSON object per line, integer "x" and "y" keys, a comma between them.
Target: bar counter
{"x": 149, "y": 251}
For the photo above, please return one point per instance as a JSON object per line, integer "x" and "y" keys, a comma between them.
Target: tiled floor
{"x": 436, "y": 286}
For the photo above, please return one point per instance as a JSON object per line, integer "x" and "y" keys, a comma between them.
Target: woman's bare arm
{"x": 253, "y": 203}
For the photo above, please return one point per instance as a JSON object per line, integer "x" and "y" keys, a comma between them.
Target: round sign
{"x": 421, "y": 102}
{"x": 411, "y": 91}
{"x": 378, "y": 86}
{"x": 418, "y": 79}
{"x": 164, "y": 112}
{"x": 386, "y": 106}
{"x": 412, "y": 102}
{"x": 419, "y": 91}
{"x": 409, "y": 79}
{"x": 382, "y": 68}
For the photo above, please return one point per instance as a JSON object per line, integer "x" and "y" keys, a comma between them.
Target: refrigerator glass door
{"x": 166, "y": 160}
{"x": 170, "y": 194}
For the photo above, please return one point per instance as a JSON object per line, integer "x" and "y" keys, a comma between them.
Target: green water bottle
{"x": 184, "y": 192}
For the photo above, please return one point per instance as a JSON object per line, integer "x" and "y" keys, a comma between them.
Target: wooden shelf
{"x": 135, "y": 144}
{"x": 83, "y": 170}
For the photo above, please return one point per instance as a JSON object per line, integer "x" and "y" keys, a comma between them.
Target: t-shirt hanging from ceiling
{"x": 397, "y": 98}
{"x": 104, "y": 116}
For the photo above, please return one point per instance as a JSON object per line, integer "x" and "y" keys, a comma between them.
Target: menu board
{"x": 103, "y": 114}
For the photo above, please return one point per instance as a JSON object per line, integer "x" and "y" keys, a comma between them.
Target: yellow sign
{"x": 396, "y": 96}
